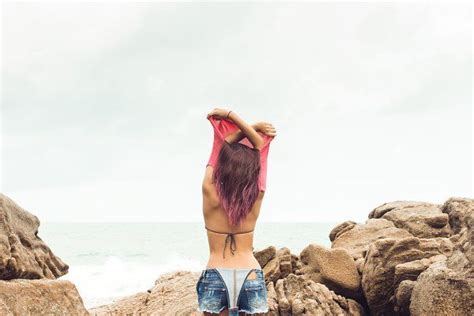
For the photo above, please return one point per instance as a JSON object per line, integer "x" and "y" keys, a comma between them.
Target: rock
{"x": 441, "y": 290}
{"x": 424, "y": 220}
{"x": 461, "y": 218}
{"x": 380, "y": 211}
{"x": 23, "y": 255}
{"x": 272, "y": 299}
{"x": 405, "y": 278}
{"x": 387, "y": 263}
{"x": 462, "y": 213}
{"x": 360, "y": 264}
{"x": 403, "y": 297}
{"x": 458, "y": 209}
{"x": 447, "y": 287}
{"x": 173, "y": 294}
{"x": 334, "y": 268}
{"x": 412, "y": 269}
{"x": 340, "y": 229}
{"x": 40, "y": 297}
{"x": 281, "y": 265}
{"x": 357, "y": 239}
{"x": 295, "y": 295}
{"x": 126, "y": 306}
{"x": 265, "y": 255}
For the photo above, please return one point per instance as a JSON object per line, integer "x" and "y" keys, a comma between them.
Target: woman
{"x": 233, "y": 189}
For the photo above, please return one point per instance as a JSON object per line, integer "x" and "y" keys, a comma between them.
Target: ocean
{"x": 111, "y": 260}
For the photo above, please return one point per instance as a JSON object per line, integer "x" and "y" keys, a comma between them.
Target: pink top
{"x": 224, "y": 127}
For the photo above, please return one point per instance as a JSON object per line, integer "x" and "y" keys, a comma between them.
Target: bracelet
{"x": 228, "y": 114}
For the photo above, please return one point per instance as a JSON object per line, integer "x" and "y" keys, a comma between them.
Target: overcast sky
{"x": 104, "y": 105}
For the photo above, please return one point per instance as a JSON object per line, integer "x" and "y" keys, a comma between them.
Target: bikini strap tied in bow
{"x": 232, "y": 246}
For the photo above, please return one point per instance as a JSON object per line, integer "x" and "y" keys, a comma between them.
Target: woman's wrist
{"x": 228, "y": 116}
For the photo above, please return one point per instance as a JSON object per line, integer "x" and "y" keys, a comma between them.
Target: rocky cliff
{"x": 28, "y": 269}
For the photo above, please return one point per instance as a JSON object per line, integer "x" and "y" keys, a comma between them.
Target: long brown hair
{"x": 236, "y": 179}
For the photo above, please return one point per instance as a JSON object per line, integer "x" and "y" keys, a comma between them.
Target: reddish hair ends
{"x": 236, "y": 179}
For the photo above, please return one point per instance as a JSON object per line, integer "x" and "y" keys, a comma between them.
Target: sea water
{"x": 108, "y": 261}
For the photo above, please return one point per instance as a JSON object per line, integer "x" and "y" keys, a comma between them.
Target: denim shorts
{"x": 214, "y": 294}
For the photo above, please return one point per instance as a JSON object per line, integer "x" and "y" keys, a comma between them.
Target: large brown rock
{"x": 265, "y": 255}
{"x": 295, "y": 295}
{"x": 357, "y": 238}
{"x": 411, "y": 270}
{"x": 40, "y": 297}
{"x": 443, "y": 290}
{"x": 424, "y": 220}
{"x": 334, "y": 268}
{"x": 23, "y": 255}
{"x": 281, "y": 265}
{"x": 390, "y": 261}
{"x": 340, "y": 229}
{"x": 458, "y": 209}
{"x": 403, "y": 297}
{"x": 447, "y": 287}
{"x": 461, "y": 218}
{"x": 173, "y": 294}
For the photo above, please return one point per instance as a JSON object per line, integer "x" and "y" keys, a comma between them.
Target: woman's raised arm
{"x": 247, "y": 129}
{"x": 237, "y": 136}
{"x": 263, "y": 127}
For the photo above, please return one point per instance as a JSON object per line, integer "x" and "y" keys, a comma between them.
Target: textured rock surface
{"x": 265, "y": 255}
{"x": 340, "y": 229}
{"x": 295, "y": 295}
{"x": 23, "y": 255}
{"x": 40, "y": 297}
{"x": 441, "y": 290}
{"x": 391, "y": 261}
{"x": 461, "y": 218}
{"x": 403, "y": 297}
{"x": 281, "y": 265}
{"x": 458, "y": 210}
{"x": 424, "y": 220}
{"x": 447, "y": 287}
{"x": 357, "y": 238}
{"x": 173, "y": 294}
{"x": 334, "y": 268}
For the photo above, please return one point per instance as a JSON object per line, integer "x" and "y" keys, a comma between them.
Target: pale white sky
{"x": 104, "y": 105}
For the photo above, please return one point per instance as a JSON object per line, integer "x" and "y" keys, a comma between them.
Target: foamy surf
{"x": 117, "y": 277}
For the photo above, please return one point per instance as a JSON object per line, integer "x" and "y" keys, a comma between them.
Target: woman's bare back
{"x": 215, "y": 219}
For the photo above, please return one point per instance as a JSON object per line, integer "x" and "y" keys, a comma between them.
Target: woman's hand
{"x": 265, "y": 127}
{"x": 218, "y": 113}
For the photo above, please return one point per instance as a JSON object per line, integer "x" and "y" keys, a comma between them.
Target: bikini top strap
{"x": 227, "y": 233}
{"x": 232, "y": 246}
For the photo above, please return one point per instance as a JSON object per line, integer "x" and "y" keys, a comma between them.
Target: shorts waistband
{"x": 258, "y": 271}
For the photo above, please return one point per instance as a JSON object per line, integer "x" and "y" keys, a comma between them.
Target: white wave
{"x": 104, "y": 283}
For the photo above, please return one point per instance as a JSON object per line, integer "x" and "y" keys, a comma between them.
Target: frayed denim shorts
{"x": 218, "y": 288}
